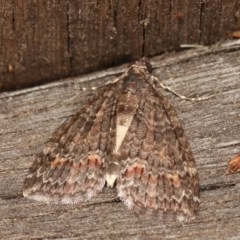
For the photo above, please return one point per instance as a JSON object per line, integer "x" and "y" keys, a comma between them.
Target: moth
{"x": 127, "y": 136}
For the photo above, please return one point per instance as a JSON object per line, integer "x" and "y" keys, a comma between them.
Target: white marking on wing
{"x": 121, "y": 131}
{"x": 111, "y": 179}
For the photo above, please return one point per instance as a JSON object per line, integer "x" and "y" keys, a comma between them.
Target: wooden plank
{"x": 43, "y": 41}
{"x": 28, "y": 117}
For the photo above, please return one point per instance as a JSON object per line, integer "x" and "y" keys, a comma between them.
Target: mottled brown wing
{"x": 71, "y": 167}
{"x": 159, "y": 175}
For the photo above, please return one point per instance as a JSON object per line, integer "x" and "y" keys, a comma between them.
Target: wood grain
{"x": 42, "y": 41}
{"x": 28, "y": 117}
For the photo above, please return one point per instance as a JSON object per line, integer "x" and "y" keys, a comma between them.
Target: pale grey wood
{"x": 28, "y": 117}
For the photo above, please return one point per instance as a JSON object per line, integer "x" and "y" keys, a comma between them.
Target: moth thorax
{"x": 133, "y": 84}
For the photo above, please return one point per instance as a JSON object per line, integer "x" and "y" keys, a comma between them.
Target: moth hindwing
{"x": 129, "y": 136}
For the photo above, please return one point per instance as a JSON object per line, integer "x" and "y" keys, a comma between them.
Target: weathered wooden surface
{"x": 28, "y": 117}
{"x": 42, "y": 41}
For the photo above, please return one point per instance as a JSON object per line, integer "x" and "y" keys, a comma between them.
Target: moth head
{"x": 141, "y": 67}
